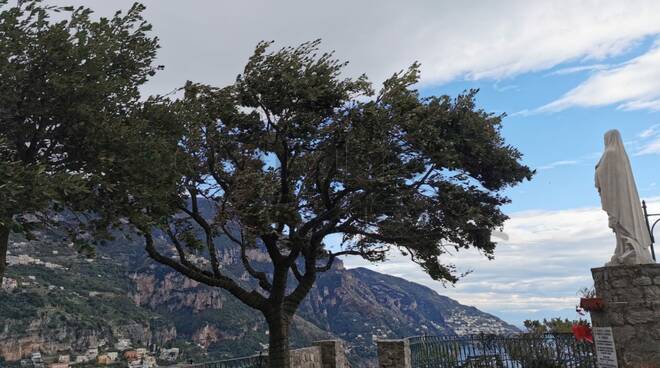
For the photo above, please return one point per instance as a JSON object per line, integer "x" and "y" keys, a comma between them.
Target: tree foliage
{"x": 553, "y": 325}
{"x": 292, "y": 153}
{"x": 66, "y": 88}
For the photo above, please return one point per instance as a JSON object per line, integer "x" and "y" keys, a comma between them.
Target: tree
{"x": 63, "y": 85}
{"x": 552, "y": 326}
{"x": 292, "y": 154}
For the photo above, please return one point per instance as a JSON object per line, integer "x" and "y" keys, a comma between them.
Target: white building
{"x": 123, "y": 344}
{"x": 169, "y": 354}
{"x": 8, "y": 284}
{"x": 37, "y": 361}
{"x": 149, "y": 361}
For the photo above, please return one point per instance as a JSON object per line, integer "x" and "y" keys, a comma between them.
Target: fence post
{"x": 394, "y": 353}
{"x": 332, "y": 354}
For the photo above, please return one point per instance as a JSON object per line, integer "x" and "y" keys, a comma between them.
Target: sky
{"x": 564, "y": 72}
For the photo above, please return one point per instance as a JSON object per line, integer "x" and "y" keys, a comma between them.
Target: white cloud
{"x": 552, "y": 165}
{"x": 586, "y": 159}
{"x": 649, "y": 143}
{"x": 581, "y": 68}
{"x": 536, "y": 273}
{"x": 650, "y": 131}
{"x": 210, "y": 40}
{"x": 504, "y": 88}
{"x": 650, "y": 148}
{"x": 653, "y": 105}
{"x": 634, "y": 85}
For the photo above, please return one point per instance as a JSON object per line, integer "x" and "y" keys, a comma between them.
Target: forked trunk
{"x": 4, "y": 241}
{"x": 278, "y": 341}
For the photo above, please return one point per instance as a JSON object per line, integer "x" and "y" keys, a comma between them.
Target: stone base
{"x": 332, "y": 354}
{"x": 631, "y": 295}
{"x": 394, "y": 353}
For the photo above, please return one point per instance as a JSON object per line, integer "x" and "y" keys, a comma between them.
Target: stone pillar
{"x": 306, "y": 357}
{"x": 393, "y": 353}
{"x": 631, "y": 296}
{"x": 332, "y": 354}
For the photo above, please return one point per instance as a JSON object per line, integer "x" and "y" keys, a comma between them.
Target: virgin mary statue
{"x": 619, "y": 197}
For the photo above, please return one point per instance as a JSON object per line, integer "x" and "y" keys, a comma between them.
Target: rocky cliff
{"x": 56, "y": 300}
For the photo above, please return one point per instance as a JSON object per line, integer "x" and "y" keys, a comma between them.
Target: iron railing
{"x": 255, "y": 361}
{"x": 486, "y": 351}
{"x": 650, "y": 227}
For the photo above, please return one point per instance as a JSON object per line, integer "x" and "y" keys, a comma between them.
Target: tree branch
{"x": 210, "y": 162}
{"x": 208, "y": 231}
{"x": 421, "y": 181}
{"x": 306, "y": 282}
{"x": 251, "y": 298}
{"x": 296, "y": 272}
{"x": 260, "y": 276}
{"x": 181, "y": 252}
{"x": 332, "y": 256}
{"x": 270, "y": 241}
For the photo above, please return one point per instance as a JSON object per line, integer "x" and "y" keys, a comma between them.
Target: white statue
{"x": 619, "y": 197}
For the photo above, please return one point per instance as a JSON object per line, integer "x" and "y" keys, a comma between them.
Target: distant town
{"x": 123, "y": 351}
{"x": 103, "y": 356}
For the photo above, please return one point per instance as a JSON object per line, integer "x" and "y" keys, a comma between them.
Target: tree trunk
{"x": 4, "y": 242}
{"x": 278, "y": 340}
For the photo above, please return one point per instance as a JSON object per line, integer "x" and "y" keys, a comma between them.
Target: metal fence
{"x": 486, "y": 351}
{"x": 255, "y": 361}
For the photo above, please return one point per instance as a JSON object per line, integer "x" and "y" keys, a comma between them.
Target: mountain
{"x": 58, "y": 301}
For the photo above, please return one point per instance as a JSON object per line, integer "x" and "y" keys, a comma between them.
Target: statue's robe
{"x": 619, "y": 198}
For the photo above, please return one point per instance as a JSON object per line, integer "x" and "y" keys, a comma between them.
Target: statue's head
{"x": 612, "y": 138}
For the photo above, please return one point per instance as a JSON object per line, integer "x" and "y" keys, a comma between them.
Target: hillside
{"x": 61, "y": 302}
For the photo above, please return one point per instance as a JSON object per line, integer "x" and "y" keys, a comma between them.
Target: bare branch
{"x": 422, "y": 180}
{"x": 296, "y": 272}
{"x": 208, "y": 231}
{"x": 261, "y": 276}
{"x": 328, "y": 265}
{"x": 333, "y": 256}
{"x": 270, "y": 241}
{"x": 251, "y": 298}
{"x": 181, "y": 252}
{"x": 305, "y": 283}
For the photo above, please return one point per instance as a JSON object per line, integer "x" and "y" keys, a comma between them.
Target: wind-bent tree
{"x": 292, "y": 154}
{"x": 63, "y": 86}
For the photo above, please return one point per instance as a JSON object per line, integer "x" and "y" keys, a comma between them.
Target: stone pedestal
{"x": 306, "y": 357}
{"x": 332, "y": 354}
{"x": 631, "y": 296}
{"x": 393, "y": 353}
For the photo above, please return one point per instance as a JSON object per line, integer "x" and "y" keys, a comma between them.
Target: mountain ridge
{"x": 62, "y": 301}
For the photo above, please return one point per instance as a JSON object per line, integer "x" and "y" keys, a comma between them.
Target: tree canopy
{"x": 293, "y": 153}
{"x": 63, "y": 85}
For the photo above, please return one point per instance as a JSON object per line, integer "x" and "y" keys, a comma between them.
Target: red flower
{"x": 592, "y": 304}
{"x": 582, "y": 332}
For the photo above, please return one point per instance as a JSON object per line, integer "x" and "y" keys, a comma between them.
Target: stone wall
{"x": 333, "y": 354}
{"x": 324, "y": 354}
{"x": 631, "y": 295}
{"x": 393, "y": 353}
{"x": 306, "y": 357}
